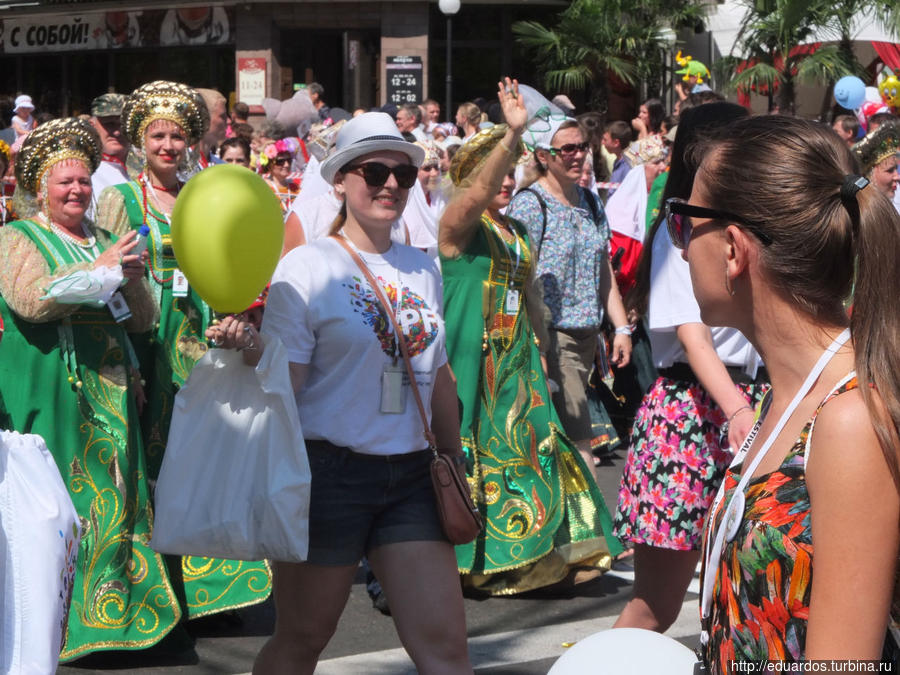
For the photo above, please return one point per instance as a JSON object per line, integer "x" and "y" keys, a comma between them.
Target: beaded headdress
{"x": 163, "y": 100}
{"x": 472, "y": 153}
{"x": 53, "y": 142}
{"x": 882, "y": 143}
{"x": 432, "y": 153}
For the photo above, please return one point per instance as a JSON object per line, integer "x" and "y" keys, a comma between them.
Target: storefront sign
{"x": 116, "y": 29}
{"x": 251, "y": 86}
{"x": 404, "y": 79}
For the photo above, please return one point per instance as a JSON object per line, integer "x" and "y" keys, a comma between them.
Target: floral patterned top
{"x": 572, "y": 254}
{"x": 760, "y": 603}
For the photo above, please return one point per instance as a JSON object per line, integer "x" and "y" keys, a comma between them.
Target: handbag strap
{"x": 398, "y": 334}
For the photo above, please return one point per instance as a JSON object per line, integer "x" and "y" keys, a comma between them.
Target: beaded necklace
{"x": 86, "y": 242}
{"x": 154, "y": 227}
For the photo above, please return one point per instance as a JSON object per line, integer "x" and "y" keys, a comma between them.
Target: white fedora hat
{"x": 370, "y": 132}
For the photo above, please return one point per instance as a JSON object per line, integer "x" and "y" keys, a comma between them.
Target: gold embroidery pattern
{"x": 121, "y": 588}
{"x": 213, "y": 585}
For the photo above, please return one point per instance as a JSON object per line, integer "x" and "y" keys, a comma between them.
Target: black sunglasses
{"x": 570, "y": 148}
{"x": 376, "y": 174}
{"x": 283, "y": 161}
{"x": 678, "y": 221}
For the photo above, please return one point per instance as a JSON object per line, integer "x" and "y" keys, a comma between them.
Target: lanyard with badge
{"x": 393, "y": 389}
{"x": 512, "y": 298}
{"x": 734, "y": 511}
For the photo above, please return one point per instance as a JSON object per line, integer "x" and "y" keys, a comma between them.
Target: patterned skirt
{"x": 675, "y": 464}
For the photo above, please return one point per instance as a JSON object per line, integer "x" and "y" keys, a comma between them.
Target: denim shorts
{"x": 360, "y": 502}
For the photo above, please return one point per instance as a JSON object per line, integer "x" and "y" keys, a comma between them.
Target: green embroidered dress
{"x": 167, "y": 356}
{"x": 544, "y": 514}
{"x": 64, "y": 374}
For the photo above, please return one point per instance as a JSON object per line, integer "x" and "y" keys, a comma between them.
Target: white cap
{"x": 23, "y": 101}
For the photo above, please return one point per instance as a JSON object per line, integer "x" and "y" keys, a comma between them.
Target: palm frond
{"x": 826, "y": 64}
{"x": 756, "y": 76}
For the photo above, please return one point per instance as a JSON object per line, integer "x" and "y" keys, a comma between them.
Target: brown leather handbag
{"x": 459, "y": 516}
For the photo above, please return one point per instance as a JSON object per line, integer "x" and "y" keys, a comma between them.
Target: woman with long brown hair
{"x": 800, "y": 552}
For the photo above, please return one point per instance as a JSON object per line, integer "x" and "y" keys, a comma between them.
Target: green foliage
{"x": 594, "y": 38}
{"x": 771, "y": 29}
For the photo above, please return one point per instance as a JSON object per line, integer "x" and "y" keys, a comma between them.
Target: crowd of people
{"x": 564, "y": 285}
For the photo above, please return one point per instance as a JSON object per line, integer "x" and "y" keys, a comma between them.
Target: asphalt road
{"x": 518, "y": 635}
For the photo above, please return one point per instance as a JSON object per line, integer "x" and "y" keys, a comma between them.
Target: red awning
{"x": 889, "y": 53}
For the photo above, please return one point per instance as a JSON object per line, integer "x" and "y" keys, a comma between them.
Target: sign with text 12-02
{"x": 404, "y": 79}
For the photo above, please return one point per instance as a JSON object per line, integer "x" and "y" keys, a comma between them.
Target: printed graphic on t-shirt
{"x": 417, "y": 320}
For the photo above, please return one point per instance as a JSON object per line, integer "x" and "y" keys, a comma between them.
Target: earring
{"x": 728, "y": 286}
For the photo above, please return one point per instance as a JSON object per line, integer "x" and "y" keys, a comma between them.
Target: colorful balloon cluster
{"x": 851, "y": 93}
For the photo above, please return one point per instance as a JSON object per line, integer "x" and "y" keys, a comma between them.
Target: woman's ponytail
{"x": 875, "y": 322}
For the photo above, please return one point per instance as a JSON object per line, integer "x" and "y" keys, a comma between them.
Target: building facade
{"x": 364, "y": 52}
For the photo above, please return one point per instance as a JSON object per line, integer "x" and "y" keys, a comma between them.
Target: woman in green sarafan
{"x": 68, "y": 374}
{"x": 162, "y": 119}
{"x": 544, "y": 514}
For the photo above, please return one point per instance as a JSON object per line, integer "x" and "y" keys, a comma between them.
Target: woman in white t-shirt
{"x": 371, "y": 488}
{"x": 690, "y": 421}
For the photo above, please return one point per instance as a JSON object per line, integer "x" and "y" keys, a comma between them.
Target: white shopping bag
{"x": 234, "y": 481}
{"x": 39, "y": 535}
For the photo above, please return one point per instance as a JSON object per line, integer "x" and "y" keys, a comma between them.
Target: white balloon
{"x": 873, "y": 95}
{"x": 626, "y": 651}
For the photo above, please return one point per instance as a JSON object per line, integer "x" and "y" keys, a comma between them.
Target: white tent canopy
{"x": 724, "y": 23}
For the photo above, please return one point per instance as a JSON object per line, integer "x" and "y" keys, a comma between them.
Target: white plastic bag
{"x": 39, "y": 535}
{"x": 235, "y": 478}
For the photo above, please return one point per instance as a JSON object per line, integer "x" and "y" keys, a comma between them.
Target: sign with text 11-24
{"x": 404, "y": 79}
{"x": 251, "y": 87}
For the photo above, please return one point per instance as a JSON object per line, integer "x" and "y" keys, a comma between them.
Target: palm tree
{"x": 840, "y": 18}
{"x": 771, "y": 40}
{"x": 594, "y": 39}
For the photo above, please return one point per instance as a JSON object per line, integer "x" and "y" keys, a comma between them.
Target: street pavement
{"x": 518, "y": 635}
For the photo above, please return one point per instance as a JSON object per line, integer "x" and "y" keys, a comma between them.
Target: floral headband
{"x": 286, "y": 146}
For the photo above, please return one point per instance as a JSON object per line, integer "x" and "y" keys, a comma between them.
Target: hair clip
{"x": 852, "y": 184}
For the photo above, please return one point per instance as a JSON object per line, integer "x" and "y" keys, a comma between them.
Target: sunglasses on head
{"x": 376, "y": 174}
{"x": 678, "y": 221}
{"x": 569, "y": 148}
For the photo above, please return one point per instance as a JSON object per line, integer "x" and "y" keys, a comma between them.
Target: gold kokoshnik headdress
{"x": 472, "y": 153}
{"x": 163, "y": 100}
{"x": 882, "y": 143}
{"x": 53, "y": 142}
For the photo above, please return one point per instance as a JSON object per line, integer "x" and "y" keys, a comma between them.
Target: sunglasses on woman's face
{"x": 570, "y": 148}
{"x": 282, "y": 161}
{"x": 376, "y": 174}
{"x": 680, "y": 226}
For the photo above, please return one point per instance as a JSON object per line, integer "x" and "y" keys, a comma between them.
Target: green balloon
{"x": 227, "y": 235}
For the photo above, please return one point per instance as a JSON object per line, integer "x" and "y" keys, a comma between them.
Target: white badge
{"x": 393, "y": 389}
{"x": 734, "y": 516}
{"x": 512, "y": 301}
{"x": 180, "y": 286}
{"x": 118, "y": 307}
